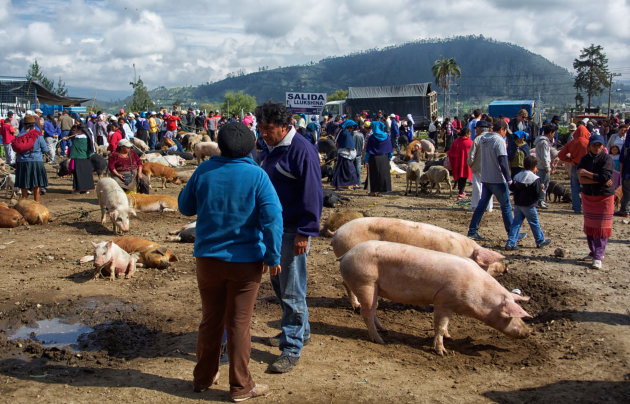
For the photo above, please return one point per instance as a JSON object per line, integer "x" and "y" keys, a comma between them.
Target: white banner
{"x": 308, "y": 103}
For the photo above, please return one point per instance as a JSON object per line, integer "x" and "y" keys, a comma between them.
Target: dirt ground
{"x": 143, "y": 346}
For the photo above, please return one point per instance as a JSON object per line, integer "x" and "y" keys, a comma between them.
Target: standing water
{"x": 53, "y": 333}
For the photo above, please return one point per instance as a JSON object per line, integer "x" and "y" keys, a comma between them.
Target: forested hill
{"x": 489, "y": 69}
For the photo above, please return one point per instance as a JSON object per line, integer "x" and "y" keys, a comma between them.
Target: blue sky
{"x": 92, "y": 43}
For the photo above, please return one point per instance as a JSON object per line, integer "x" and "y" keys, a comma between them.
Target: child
{"x": 527, "y": 188}
{"x": 614, "y": 153}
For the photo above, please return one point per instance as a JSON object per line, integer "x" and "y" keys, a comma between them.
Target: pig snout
{"x": 122, "y": 221}
{"x": 497, "y": 268}
{"x": 516, "y": 328}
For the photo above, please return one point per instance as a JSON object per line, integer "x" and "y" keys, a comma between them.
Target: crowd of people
{"x": 275, "y": 203}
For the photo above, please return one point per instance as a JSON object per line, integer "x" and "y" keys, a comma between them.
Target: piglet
{"x": 109, "y": 259}
{"x": 417, "y": 276}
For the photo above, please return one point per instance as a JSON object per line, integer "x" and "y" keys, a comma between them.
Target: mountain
{"x": 101, "y": 95}
{"x": 490, "y": 69}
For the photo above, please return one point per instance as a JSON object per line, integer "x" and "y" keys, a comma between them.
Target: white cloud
{"x": 96, "y": 42}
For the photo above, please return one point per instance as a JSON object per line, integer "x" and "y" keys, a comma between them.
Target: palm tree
{"x": 444, "y": 70}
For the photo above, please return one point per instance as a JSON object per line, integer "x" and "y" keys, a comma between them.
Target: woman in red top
{"x": 125, "y": 166}
{"x": 115, "y": 138}
{"x": 457, "y": 156}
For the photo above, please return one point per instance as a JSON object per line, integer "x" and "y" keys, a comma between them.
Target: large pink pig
{"x": 416, "y": 234}
{"x": 413, "y": 275}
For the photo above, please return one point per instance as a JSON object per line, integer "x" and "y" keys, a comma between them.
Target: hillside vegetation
{"x": 489, "y": 69}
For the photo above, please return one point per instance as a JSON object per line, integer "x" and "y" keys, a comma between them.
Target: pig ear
{"x": 485, "y": 257}
{"x": 512, "y": 309}
{"x": 109, "y": 244}
{"x": 133, "y": 212}
{"x": 518, "y": 298}
{"x": 94, "y": 244}
{"x": 114, "y": 215}
{"x": 173, "y": 258}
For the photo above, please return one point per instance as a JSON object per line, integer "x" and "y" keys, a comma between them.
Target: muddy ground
{"x": 143, "y": 346}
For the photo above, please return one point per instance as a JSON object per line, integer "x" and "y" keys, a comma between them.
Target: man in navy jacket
{"x": 292, "y": 164}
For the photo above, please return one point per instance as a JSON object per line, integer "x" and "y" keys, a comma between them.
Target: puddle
{"x": 53, "y": 333}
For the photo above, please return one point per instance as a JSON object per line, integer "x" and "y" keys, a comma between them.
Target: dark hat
{"x": 596, "y": 139}
{"x": 29, "y": 119}
{"x": 482, "y": 124}
{"x": 235, "y": 140}
{"x": 555, "y": 118}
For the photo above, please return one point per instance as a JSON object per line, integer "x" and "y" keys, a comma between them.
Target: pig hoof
{"x": 441, "y": 351}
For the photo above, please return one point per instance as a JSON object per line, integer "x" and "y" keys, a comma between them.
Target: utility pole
{"x": 610, "y": 83}
{"x": 134, "y": 72}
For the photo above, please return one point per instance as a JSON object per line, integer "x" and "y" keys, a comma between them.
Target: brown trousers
{"x": 228, "y": 293}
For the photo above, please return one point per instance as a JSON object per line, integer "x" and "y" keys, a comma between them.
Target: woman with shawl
{"x": 457, "y": 156}
{"x": 345, "y": 173}
{"x": 595, "y": 172}
{"x": 378, "y": 151}
{"x": 80, "y": 151}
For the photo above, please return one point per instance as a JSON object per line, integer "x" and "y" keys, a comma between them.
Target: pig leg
{"x": 368, "y": 296}
{"x": 163, "y": 182}
{"x": 354, "y": 302}
{"x": 131, "y": 268}
{"x": 112, "y": 270}
{"x": 441, "y": 317}
{"x": 103, "y": 215}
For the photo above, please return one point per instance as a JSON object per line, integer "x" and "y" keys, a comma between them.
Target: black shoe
{"x": 275, "y": 341}
{"x": 225, "y": 359}
{"x": 476, "y": 237}
{"x": 621, "y": 214}
{"x": 543, "y": 243}
{"x": 284, "y": 364}
{"x": 512, "y": 248}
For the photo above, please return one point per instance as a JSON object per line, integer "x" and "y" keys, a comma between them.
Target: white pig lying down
{"x": 111, "y": 260}
{"x": 417, "y": 276}
{"x": 416, "y": 234}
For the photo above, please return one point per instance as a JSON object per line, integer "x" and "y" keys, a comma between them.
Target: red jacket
{"x": 113, "y": 140}
{"x": 171, "y": 122}
{"x": 7, "y": 132}
{"x": 577, "y": 148}
{"x": 457, "y": 156}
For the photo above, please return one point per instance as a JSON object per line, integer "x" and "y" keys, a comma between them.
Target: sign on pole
{"x": 308, "y": 103}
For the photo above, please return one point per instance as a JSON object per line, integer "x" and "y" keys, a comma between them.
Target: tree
{"x": 444, "y": 70}
{"x": 34, "y": 72}
{"x": 235, "y": 102}
{"x": 592, "y": 72}
{"x": 338, "y": 95}
{"x": 140, "y": 101}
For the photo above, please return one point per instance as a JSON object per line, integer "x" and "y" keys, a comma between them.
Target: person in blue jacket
{"x": 293, "y": 167}
{"x": 238, "y": 239}
{"x": 30, "y": 172}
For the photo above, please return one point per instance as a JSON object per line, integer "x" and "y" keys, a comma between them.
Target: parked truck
{"x": 415, "y": 99}
{"x": 510, "y": 108}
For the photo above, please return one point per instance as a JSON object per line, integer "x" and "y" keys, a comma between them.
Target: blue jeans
{"x": 357, "y": 165}
{"x": 544, "y": 179}
{"x": 64, "y": 143}
{"x": 575, "y": 190}
{"x": 290, "y": 287}
{"x": 395, "y": 144}
{"x": 502, "y": 193}
{"x": 521, "y": 213}
{"x": 152, "y": 140}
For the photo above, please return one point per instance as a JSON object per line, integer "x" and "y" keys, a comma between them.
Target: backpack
{"x": 25, "y": 142}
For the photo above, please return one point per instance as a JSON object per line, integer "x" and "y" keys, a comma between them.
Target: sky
{"x": 175, "y": 43}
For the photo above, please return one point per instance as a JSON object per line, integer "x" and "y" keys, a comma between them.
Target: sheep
{"x": 414, "y": 171}
{"x": 435, "y": 176}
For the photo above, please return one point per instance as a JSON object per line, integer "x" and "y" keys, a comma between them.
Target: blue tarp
{"x": 510, "y": 108}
